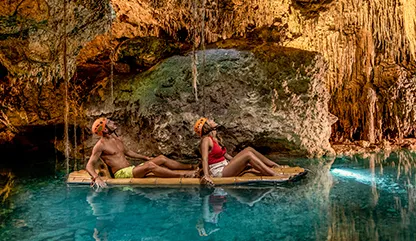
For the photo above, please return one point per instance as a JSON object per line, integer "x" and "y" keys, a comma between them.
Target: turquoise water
{"x": 349, "y": 198}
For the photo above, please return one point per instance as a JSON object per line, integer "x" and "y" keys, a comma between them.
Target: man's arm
{"x": 133, "y": 154}
{"x": 95, "y": 155}
{"x": 136, "y": 155}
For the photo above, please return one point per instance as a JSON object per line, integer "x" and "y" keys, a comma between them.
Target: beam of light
{"x": 350, "y": 174}
{"x": 386, "y": 184}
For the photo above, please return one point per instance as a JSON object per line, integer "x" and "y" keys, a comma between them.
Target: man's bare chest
{"x": 113, "y": 147}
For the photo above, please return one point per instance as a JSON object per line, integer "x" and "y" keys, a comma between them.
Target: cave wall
{"x": 39, "y": 43}
{"x": 37, "y": 34}
{"x": 369, "y": 47}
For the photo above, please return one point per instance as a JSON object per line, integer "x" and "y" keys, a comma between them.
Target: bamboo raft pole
{"x": 286, "y": 174}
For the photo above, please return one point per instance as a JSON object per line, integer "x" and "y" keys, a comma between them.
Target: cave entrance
{"x": 3, "y": 71}
{"x": 32, "y": 152}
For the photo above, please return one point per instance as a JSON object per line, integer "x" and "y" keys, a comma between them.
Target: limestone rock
{"x": 271, "y": 98}
{"x": 32, "y": 35}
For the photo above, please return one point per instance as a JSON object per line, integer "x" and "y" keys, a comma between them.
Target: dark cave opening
{"x": 32, "y": 151}
{"x": 3, "y": 71}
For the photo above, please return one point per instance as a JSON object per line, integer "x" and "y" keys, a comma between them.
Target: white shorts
{"x": 216, "y": 168}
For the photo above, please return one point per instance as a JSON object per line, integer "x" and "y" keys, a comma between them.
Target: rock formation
{"x": 369, "y": 48}
{"x": 273, "y": 98}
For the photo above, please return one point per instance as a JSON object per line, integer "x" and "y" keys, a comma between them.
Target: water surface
{"x": 368, "y": 197}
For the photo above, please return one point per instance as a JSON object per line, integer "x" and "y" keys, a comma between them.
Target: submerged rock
{"x": 268, "y": 97}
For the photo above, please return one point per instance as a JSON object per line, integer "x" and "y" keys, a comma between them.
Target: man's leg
{"x": 158, "y": 171}
{"x": 171, "y": 164}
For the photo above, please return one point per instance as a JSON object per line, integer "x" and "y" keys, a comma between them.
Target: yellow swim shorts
{"x": 126, "y": 172}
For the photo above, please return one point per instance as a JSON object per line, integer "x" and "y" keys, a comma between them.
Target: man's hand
{"x": 98, "y": 183}
{"x": 207, "y": 180}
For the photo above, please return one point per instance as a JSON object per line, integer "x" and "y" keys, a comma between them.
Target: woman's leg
{"x": 264, "y": 159}
{"x": 240, "y": 161}
{"x": 171, "y": 164}
{"x": 158, "y": 171}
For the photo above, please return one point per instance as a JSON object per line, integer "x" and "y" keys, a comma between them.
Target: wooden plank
{"x": 190, "y": 181}
{"x": 285, "y": 174}
{"x": 143, "y": 181}
{"x": 168, "y": 181}
{"x": 223, "y": 180}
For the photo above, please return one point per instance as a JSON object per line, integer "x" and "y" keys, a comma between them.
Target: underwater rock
{"x": 271, "y": 98}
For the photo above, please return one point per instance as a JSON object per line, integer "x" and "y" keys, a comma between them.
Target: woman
{"x": 216, "y": 162}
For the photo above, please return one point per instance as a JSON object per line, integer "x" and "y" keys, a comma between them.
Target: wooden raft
{"x": 286, "y": 174}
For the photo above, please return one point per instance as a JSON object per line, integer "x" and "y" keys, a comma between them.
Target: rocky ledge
{"x": 361, "y": 147}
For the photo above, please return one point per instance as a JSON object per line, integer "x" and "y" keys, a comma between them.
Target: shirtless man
{"x": 113, "y": 152}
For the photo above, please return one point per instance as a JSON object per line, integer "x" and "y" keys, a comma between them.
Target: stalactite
{"x": 379, "y": 27}
{"x": 354, "y": 36}
{"x": 409, "y": 22}
{"x": 370, "y": 131}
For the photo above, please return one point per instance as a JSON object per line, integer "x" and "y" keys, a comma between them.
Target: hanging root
{"x": 195, "y": 76}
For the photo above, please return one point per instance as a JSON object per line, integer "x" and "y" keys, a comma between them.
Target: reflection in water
{"x": 6, "y": 184}
{"x": 106, "y": 204}
{"x": 213, "y": 204}
{"x": 368, "y": 197}
{"x": 389, "y": 214}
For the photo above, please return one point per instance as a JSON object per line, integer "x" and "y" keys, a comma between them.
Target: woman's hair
{"x": 206, "y": 129}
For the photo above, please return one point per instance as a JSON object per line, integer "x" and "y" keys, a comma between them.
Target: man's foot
{"x": 196, "y": 166}
{"x": 279, "y": 166}
{"x": 192, "y": 174}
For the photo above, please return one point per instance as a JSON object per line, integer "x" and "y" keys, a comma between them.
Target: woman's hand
{"x": 207, "y": 180}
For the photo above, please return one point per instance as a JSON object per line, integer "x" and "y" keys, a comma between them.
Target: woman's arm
{"x": 228, "y": 156}
{"x": 205, "y": 144}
